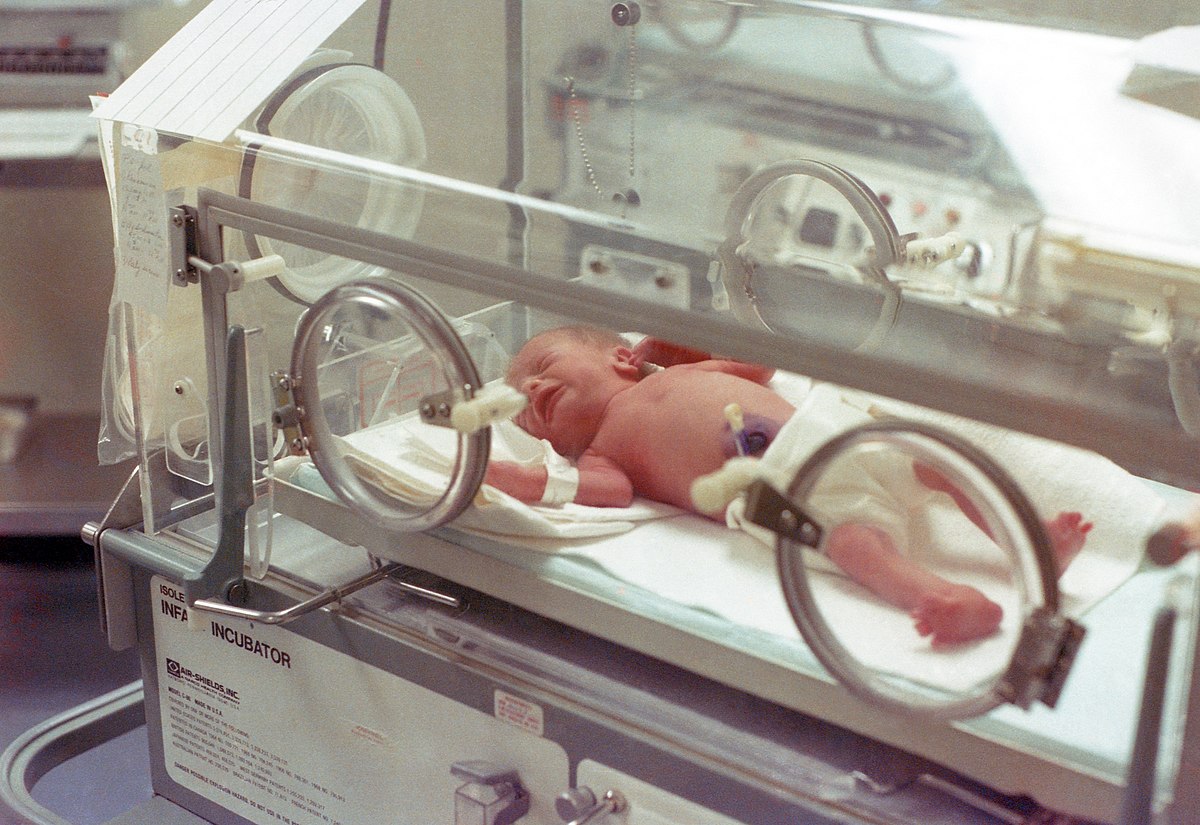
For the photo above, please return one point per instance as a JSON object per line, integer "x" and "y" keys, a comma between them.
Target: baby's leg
{"x": 1068, "y": 531}
{"x": 950, "y": 613}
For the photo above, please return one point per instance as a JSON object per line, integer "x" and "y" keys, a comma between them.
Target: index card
{"x": 223, "y": 64}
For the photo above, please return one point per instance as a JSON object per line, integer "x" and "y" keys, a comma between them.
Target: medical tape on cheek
{"x": 562, "y": 478}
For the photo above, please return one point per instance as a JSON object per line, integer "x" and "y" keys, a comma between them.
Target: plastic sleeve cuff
{"x": 561, "y": 485}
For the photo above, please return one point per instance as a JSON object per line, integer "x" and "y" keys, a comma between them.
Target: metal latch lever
{"x": 321, "y": 599}
{"x": 469, "y": 410}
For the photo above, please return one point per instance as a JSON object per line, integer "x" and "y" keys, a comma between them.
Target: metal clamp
{"x": 767, "y": 507}
{"x": 1045, "y": 652}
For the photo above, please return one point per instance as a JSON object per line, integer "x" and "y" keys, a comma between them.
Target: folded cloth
{"x": 1055, "y": 477}
{"x": 411, "y": 461}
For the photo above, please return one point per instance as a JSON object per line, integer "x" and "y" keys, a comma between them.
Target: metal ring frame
{"x": 737, "y": 275}
{"x": 1027, "y": 529}
{"x": 437, "y": 334}
{"x": 297, "y": 85}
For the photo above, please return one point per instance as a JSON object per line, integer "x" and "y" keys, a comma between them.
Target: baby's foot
{"x": 1068, "y": 531}
{"x": 955, "y": 615}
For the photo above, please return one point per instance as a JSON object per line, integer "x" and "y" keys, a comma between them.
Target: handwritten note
{"x": 142, "y": 249}
{"x": 223, "y": 64}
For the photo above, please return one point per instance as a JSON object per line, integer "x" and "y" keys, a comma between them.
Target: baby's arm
{"x": 751, "y": 372}
{"x": 666, "y": 354}
{"x": 601, "y": 482}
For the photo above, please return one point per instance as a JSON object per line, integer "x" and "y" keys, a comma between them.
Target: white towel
{"x": 409, "y": 459}
{"x": 1055, "y": 477}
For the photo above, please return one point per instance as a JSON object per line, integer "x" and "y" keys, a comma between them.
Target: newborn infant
{"x": 649, "y": 420}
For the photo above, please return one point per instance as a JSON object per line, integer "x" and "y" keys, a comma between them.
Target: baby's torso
{"x": 671, "y": 428}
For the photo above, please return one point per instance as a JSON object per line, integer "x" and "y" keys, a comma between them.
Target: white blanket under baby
{"x": 411, "y": 461}
{"x": 696, "y": 562}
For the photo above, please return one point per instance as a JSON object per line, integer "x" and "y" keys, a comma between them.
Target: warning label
{"x": 519, "y": 712}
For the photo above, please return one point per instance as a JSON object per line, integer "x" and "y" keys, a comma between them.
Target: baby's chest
{"x": 654, "y": 446}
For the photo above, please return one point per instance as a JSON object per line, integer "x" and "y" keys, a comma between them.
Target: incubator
{"x": 964, "y": 238}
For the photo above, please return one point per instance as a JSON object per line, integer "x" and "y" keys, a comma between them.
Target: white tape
{"x": 712, "y": 493}
{"x": 562, "y": 478}
{"x": 561, "y": 485}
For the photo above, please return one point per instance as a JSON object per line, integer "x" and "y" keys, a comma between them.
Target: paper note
{"x": 142, "y": 248}
{"x": 223, "y": 64}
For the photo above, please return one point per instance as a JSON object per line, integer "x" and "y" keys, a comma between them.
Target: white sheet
{"x": 410, "y": 459}
{"x": 697, "y": 562}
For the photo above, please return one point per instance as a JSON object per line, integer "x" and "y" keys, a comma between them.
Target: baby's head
{"x": 570, "y": 374}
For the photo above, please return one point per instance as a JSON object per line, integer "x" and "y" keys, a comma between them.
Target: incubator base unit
{"x": 470, "y": 710}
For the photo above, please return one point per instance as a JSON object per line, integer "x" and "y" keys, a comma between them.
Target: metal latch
{"x": 187, "y": 266}
{"x": 1044, "y": 655}
{"x": 767, "y": 507}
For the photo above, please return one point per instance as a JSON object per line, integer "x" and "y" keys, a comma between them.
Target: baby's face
{"x": 568, "y": 385}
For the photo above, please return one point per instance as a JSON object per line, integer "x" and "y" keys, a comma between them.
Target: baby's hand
{"x": 523, "y": 483}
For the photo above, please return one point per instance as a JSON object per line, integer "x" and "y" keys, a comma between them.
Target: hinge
{"x": 181, "y": 236}
{"x": 287, "y": 415}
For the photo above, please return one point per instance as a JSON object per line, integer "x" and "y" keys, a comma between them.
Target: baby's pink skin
{"x": 653, "y": 435}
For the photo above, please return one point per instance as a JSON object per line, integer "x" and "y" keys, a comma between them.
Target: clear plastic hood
{"x": 965, "y": 215}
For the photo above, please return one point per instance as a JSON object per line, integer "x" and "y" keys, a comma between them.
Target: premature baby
{"x": 634, "y": 429}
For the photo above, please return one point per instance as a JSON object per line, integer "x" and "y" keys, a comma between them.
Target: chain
{"x": 632, "y": 96}
{"x": 629, "y": 196}
{"x": 573, "y": 106}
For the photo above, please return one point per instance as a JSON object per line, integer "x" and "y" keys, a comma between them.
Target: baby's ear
{"x": 623, "y": 362}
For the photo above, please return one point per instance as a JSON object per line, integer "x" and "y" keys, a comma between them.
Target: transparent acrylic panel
{"x": 617, "y": 165}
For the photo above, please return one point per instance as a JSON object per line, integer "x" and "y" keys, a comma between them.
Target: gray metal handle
{"x": 278, "y": 617}
{"x": 613, "y": 802}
